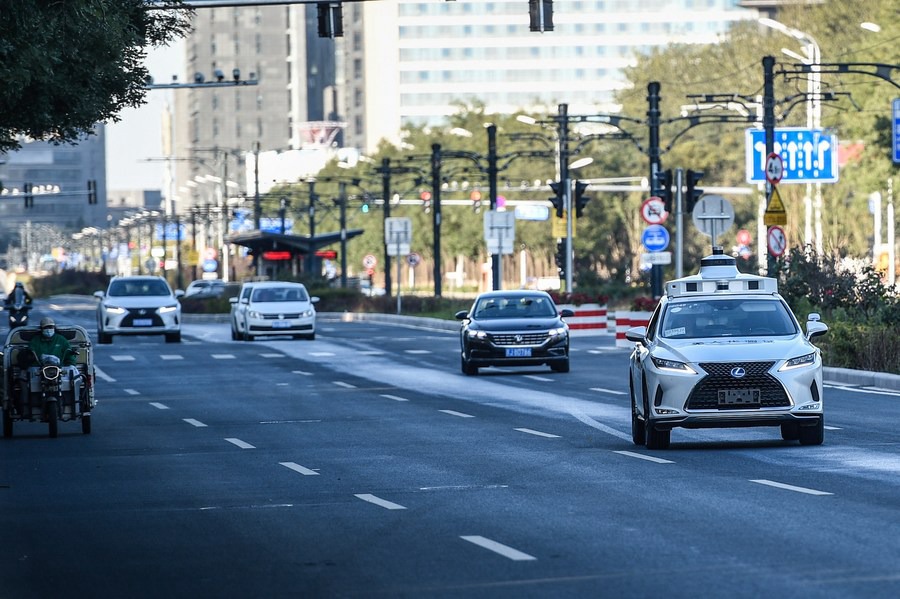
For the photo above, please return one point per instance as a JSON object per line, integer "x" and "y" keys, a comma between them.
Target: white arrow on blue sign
{"x": 655, "y": 238}
{"x": 809, "y": 155}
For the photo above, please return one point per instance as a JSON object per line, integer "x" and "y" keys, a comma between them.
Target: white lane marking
{"x": 772, "y": 483}
{"x": 286, "y": 421}
{"x": 454, "y": 413}
{"x": 132, "y": 392}
{"x": 103, "y": 375}
{"x": 239, "y": 443}
{"x": 303, "y": 372}
{"x": 395, "y": 398}
{"x": 538, "y": 433}
{"x": 122, "y": 358}
{"x": 872, "y": 390}
{"x": 388, "y": 505}
{"x": 417, "y": 351}
{"x": 533, "y": 377}
{"x": 344, "y": 385}
{"x": 641, "y": 456}
{"x": 159, "y": 406}
{"x": 223, "y": 356}
{"x": 504, "y": 550}
{"x": 298, "y": 468}
{"x": 321, "y": 354}
{"x": 604, "y": 390}
{"x": 193, "y": 422}
{"x": 832, "y": 428}
{"x": 282, "y": 384}
{"x": 600, "y": 427}
{"x": 272, "y": 355}
{"x": 171, "y": 357}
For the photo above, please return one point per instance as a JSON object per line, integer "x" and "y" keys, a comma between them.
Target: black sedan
{"x": 514, "y": 328}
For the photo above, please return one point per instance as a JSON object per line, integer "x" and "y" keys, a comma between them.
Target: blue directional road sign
{"x": 655, "y": 238}
{"x": 896, "y": 119}
{"x": 809, "y": 155}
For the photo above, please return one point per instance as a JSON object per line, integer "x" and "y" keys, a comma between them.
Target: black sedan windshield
{"x": 514, "y": 307}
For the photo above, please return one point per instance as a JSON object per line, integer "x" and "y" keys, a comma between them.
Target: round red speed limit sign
{"x": 653, "y": 211}
{"x": 369, "y": 261}
{"x": 774, "y": 168}
{"x": 776, "y": 240}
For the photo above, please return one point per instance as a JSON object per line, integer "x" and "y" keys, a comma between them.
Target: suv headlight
{"x": 799, "y": 362}
{"x": 166, "y": 309}
{"x": 115, "y": 310}
{"x": 254, "y": 314}
{"x": 672, "y": 365}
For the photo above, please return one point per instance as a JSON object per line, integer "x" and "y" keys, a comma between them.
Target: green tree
{"x": 67, "y": 65}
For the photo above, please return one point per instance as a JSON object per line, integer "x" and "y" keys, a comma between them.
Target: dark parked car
{"x": 514, "y": 328}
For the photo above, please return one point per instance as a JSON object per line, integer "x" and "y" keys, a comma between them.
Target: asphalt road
{"x": 364, "y": 464}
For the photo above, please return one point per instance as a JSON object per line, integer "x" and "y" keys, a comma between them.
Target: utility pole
{"x": 386, "y": 194}
{"x": 768, "y": 63}
{"x": 179, "y": 281}
{"x": 496, "y": 259}
{"x": 342, "y": 198}
{"x": 257, "y": 207}
{"x": 436, "y": 213}
{"x": 656, "y": 286}
{"x": 566, "y": 185}
{"x": 311, "y": 256}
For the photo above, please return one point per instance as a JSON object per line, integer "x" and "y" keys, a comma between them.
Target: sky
{"x": 138, "y": 135}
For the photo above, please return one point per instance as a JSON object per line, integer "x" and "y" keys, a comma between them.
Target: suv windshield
{"x": 726, "y": 318}
{"x": 515, "y": 307}
{"x": 139, "y": 287}
{"x": 279, "y": 294}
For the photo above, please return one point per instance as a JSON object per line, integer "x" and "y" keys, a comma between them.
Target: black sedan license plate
{"x": 518, "y": 352}
{"x": 738, "y": 397}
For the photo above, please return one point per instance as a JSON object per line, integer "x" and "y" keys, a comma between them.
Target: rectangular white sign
{"x": 660, "y": 258}
{"x": 397, "y": 229}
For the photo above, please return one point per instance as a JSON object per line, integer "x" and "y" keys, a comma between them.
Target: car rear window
{"x": 279, "y": 294}
{"x": 139, "y": 287}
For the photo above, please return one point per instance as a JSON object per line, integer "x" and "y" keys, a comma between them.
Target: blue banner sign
{"x": 809, "y": 155}
{"x": 896, "y": 120}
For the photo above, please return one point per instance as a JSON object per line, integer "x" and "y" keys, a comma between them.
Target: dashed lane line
{"x": 239, "y": 443}
{"x": 537, "y": 433}
{"x": 344, "y": 385}
{"x": 605, "y": 390}
{"x": 417, "y": 351}
{"x": 121, "y": 358}
{"x": 777, "y": 485}
{"x": 223, "y": 356}
{"x": 394, "y": 397}
{"x": 270, "y": 355}
{"x": 455, "y": 413}
{"x": 194, "y": 422}
{"x": 388, "y": 505}
{"x": 103, "y": 375}
{"x": 321, "y": 354}
{"x": 641, "y": 456}
{"x": 542, "y": 379}
{"x": 302, "y": 372}
{"x": 298, "y": 468}
{"x": 132, "y": 392}
{"x": 159, "y": 406}
{"x": 171, "y": 357}
{"x": 499, "y": 548}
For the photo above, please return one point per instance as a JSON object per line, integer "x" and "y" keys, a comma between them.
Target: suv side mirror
{"x": 636, "y": 334}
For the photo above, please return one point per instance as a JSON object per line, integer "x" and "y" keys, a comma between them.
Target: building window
{"x": 258, "y": 44}
{"x": 215, "y": 127}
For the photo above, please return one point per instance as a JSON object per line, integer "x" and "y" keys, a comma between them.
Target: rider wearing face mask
{"x": 52, "y": 343}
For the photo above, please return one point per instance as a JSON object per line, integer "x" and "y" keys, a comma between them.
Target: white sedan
{"x": 273, "y": 308}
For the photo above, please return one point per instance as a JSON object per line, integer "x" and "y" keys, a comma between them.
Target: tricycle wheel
{"x": 86, "y": 424}
{"x": 53, "y": 418}
{"x": 7, "y": 424}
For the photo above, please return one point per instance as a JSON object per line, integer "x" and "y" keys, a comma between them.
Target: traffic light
{"x": 475, "y": 196}
{"x": 663, "y": 185}
{"x": 426, "y": 200}
{"x": 693, "y": 193}
{"x": 557, "y": 200}
{"x": 29, "y": 197}
{"x": 540, "y": 13}
{"x": 561, "y": 259}
{"x": 580, "y": 199}
{"x": 92, "y": 191}
{"x": 365, "y": 204}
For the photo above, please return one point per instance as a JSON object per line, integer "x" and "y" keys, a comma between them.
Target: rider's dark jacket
{"x": 57, "y": 345}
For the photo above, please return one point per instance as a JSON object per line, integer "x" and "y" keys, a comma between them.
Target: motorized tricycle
{"x": 39, "y": 388}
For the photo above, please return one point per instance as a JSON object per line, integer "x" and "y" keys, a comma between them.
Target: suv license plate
{"x": 738, "y": 397}
{"x": 143, "y": 322}
{"x": 518, "y": 352}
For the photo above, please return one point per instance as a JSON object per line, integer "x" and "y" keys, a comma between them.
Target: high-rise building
{"x": 407, "y": 61}
{"x": 58, "y": 177}
{"x": 216, "y": 128}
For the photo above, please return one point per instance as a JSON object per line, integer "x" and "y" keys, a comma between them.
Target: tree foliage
{"x": 69, "y": 64}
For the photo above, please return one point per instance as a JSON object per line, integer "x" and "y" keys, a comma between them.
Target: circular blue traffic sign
{"x": 210, "y": 265}
{"x": 655, "y": 238}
